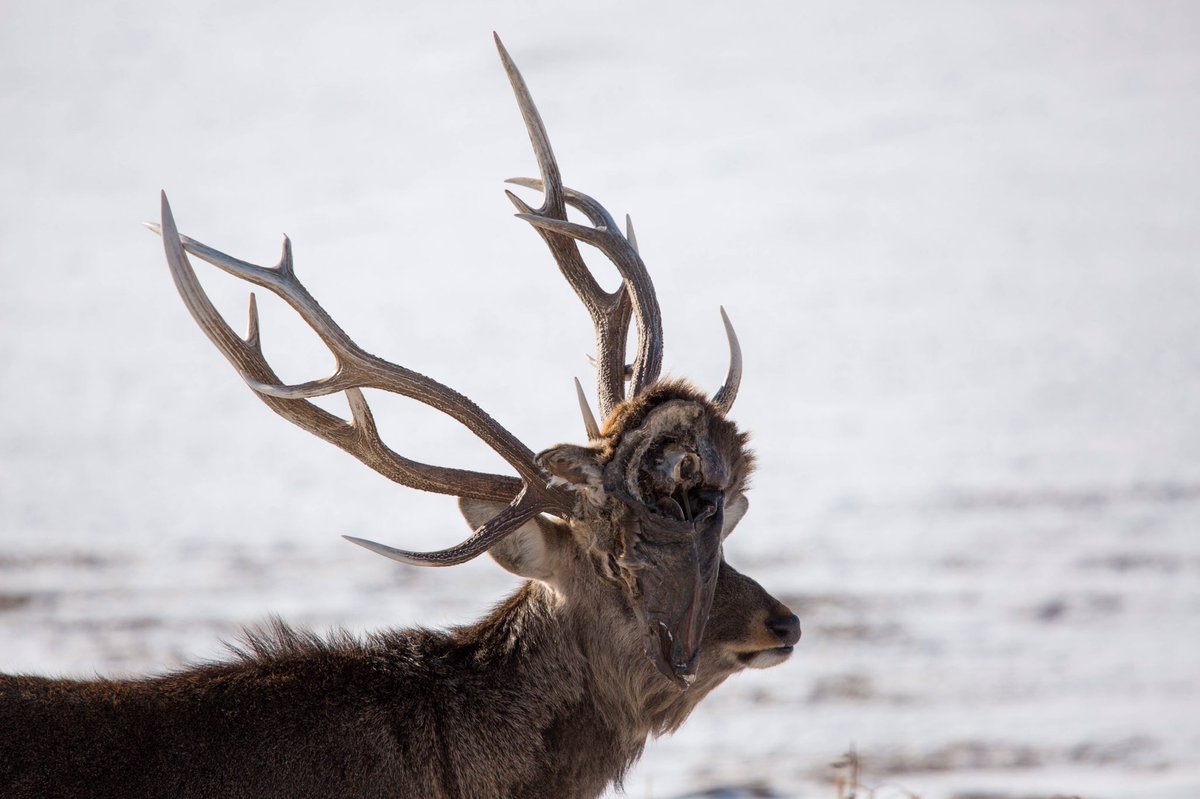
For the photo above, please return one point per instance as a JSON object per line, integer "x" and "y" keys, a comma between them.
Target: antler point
{"x": 589, "y": 421}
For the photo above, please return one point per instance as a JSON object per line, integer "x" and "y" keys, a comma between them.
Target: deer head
{"x": 657, "y": 491}
{"x": 642, "y": 508}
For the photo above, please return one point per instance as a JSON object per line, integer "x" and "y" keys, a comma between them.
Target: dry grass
{"x": 849, "y": 785}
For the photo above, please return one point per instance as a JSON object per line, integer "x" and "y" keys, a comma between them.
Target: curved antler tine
{"x": 725, "y": 396}
{"x": 596, "y": 213}
{"x": 336, "y": 382}
{"x": 264, "y": 276}
{"x": 589, "y": 421}
{"x": 252, "y": 332}
{"x": 483, "y": 539}
{"x": 628, "y": 366}
{"x": 197, "y": 302}
{"x": 547, "y": 164}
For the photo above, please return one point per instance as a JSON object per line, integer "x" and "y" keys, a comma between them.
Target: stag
{"x": 629, "y": 616}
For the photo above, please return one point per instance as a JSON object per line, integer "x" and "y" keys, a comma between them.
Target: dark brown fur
{"x": 533, "y": 701}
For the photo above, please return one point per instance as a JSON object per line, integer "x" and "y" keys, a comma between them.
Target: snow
{"x": 958, "y": 242}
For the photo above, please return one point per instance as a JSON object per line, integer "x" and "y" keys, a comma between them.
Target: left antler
{"x": 358, "y": 369}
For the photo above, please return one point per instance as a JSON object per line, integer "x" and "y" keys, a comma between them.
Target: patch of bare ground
{"x": 849, "y": 781}
{"x": 1139, "y": 562}
{"x": 981, "y": 755}
{"x": 78, "y": 560}
{"x": 750, "y": 790}
{"x": 860, "y": 631}
{"x": 853, "y": 778}
{"x": 849, "y": 688}
{"x": 996, "y": 795}
{"x": 842, "y": 617}
{"x": 14, "y": 601}
{"x": 93, "y": 624}
{"x": 1090, "y": 606}
{"x": 961, "y": 756}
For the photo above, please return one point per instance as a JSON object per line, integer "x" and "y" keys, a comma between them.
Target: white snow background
{"x": 958, "y": 240}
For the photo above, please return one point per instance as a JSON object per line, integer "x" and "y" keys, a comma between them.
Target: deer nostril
{"x": 786, "y": 628}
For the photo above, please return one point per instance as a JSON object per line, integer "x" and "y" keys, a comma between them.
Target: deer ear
{"x": 575, "y": 468}
{"x": 530, "y": 551}
{"x": 734, "y": 512}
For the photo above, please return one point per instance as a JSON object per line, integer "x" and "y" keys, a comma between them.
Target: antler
{"x": 358, "y": 369}
{"x": 610, "y": 312}
{"x": 727, "y": 393}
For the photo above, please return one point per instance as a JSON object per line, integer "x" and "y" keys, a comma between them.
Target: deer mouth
{"x": 765, "y": 658}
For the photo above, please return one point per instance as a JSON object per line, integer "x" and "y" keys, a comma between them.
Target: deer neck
{"x": 577, "y": 671}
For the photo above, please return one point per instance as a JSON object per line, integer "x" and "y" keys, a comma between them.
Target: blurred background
{"x": 958, "y": 240}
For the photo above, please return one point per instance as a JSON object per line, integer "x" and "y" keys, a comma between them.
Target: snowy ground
{"x": 959, "y": 242}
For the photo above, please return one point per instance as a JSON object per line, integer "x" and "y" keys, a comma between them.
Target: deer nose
{"x": 786, "y": 628}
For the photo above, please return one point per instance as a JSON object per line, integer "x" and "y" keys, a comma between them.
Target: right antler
{"x": 610, "y": 312}
{"x": 358, "y": 369}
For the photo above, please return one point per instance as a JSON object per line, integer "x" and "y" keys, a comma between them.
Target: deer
{"x": 628, "y": 617}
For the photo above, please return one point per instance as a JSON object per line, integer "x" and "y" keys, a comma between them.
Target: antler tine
{"x": 480, "y": 541}
{"x": 589, "y": 421}
{"x": 610, "y": 312}
{"x": 356, "y": 369}
{"x": 725, "y": 395}
{"x": 542, "y": 151}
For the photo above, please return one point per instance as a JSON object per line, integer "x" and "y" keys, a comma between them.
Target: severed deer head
{"x": 649, "y": 498}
